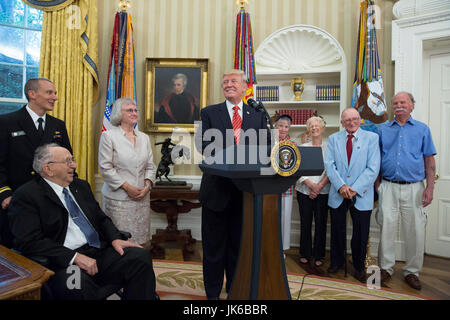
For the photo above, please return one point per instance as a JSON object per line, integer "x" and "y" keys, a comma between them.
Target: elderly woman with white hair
{"x": 312, "y": 197}
{"x": 125, "y": 161}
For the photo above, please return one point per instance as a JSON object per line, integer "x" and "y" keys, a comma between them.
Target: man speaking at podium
{"x": 221, "y": 200}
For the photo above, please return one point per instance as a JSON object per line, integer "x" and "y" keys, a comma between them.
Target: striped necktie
{"x": 237, "y": 123}
{"x": 81, "y": 221}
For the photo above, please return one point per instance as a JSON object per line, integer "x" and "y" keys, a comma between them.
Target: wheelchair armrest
{"x": 125, "y": 235}
{"x": 40, "y": 259}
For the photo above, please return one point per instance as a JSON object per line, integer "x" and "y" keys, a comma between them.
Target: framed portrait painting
{"x": 176, "y": 90}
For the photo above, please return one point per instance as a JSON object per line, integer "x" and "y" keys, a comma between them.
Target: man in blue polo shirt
{"x": 407, "y": 158}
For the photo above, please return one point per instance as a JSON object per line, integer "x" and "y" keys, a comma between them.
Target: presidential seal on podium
{"x": 285, "y": 158}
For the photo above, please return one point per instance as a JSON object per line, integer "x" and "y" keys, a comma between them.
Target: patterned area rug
{"x": 184, "y": 281}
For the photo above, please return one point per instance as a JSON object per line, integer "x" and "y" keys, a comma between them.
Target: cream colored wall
{"x": 206, "y": 29}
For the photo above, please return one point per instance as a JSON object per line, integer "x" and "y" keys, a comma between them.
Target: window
{"x": 20, "y": 42}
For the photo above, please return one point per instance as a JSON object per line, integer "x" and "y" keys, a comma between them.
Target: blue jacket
{"x": 362, "y": 171}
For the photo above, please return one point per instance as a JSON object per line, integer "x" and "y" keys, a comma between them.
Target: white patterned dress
{"x": 120, "y": 161}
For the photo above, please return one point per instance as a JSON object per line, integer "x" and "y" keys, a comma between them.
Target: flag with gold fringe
{"x": 368, "y": 91}
{"x": 122, "y": 70}
{"x": 243, "y": 51}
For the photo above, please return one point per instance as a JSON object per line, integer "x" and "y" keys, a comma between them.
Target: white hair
{"x": 116, "y": 112}
{"x": 318, "y": 119}
{"x": 181, "y": 76}
{"x": 42, "y": 156}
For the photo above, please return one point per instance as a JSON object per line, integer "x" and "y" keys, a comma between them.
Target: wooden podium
{"x": 261, "y": 272}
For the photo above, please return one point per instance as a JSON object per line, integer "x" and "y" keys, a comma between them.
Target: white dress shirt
{"x": 231, "y": 111}
{"x": 35, "y": 117}
{"x": 75, "y": 238}
{"x": 354, "y": 135}
{"x": 302, "y": 187}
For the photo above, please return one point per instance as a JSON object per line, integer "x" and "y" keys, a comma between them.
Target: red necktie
{"x": 349, "y": 147}
{"x": 237, "y": 123}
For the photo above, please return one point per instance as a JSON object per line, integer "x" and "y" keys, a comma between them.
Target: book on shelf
{"x": 268, "y": 93}
{"x": 299, "y": 116}
{"x": 328, "y": 92}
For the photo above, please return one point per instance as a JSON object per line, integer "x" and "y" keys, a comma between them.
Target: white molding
{"x": 299, "y": 48}
{"x": 423, "y": 19}
{"x": 13, "y": 100}
{"x": 408, "y": 36}
{"x": 303, "y": 50}
{"x": 408, "y": 8}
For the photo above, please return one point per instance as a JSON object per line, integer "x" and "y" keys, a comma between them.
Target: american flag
{"x": 243, "y": 56}
{"x": 121, "y": 71}
{"x": 110, "y": 98}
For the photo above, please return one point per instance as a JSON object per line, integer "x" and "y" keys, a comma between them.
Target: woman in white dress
{"x": 283, "y": 124}
{"x": 125, "y": 161}
{"x": 312, "y": 197}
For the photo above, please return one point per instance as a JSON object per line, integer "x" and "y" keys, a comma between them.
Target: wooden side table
{"x": 173, "y": 201}
{"x": 20, "y": 278}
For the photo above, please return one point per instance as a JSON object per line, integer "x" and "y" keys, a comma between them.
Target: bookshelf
{"x": 315, "y": 56}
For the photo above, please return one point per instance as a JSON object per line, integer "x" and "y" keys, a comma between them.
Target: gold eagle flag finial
{"x": 124, "y": 5}
{"x": 242, "y": 3}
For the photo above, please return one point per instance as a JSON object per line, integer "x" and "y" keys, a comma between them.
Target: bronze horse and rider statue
{"x": 170, "y": 153}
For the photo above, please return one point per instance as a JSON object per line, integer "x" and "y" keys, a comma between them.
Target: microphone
{"x": 258, "y": 106}
{"x": 255, "y": 105}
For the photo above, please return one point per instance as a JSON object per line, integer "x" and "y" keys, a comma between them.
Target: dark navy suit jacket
{"x": 18, "y": 141}
{"x": 216, "y": 192}
{"x": 39, "y": 220}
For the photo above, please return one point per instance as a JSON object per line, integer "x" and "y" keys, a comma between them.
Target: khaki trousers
{"x": 404, "y": 200}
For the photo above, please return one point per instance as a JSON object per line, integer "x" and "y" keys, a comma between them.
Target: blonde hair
{"x": 236, "y": 71}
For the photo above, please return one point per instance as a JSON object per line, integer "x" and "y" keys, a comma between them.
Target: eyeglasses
{"x": 352, "y": 120}
{"x": 68, "y": 161}
{"x": 131, "y": 110}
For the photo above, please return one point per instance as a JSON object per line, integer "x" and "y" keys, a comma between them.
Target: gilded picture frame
{"x": 176, "y": 89}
